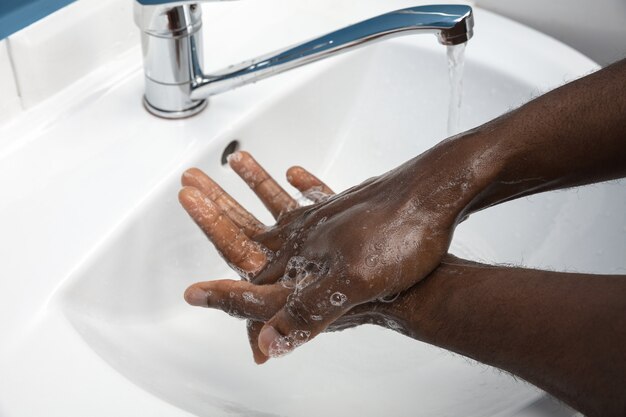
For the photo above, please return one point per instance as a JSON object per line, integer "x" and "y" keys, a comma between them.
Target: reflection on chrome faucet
{"x": 176, "y": 85}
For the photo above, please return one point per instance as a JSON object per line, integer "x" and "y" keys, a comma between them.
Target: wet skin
{"x": 373, "y": 255}
{"x": 385, "y": 236}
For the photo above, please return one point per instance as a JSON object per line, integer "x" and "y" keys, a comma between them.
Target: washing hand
{"x": 243, "y": 228}
{"x": 326, "y": 259}
{"x": 343, "y": 260}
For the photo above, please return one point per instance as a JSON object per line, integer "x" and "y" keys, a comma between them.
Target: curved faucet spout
{"x": 171, "y": 35}
{"x": 453, "y": 24}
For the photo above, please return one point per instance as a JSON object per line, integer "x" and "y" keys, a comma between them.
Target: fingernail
{"x": 267, "y": 337}
{"x": 196, "y": 297}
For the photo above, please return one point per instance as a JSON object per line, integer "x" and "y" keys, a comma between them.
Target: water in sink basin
{"x": 127, "y": 302}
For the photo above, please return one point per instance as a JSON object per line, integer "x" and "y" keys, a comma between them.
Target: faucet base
{"x": 179, "y": 114}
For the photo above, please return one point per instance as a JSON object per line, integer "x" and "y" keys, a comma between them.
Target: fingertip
{"x": 196, "y": 204}
{"x": 259, "y": 357}
{"x": 188, "y": 194}
{"x": 254, "y": 328}
{"x": 260, "y": 360}
{"x": 190, "y": 175}
{"x": 196, "y": 296}
{"x": 235, "y": 159}
{"x": 267, "y": 337}
{"x": 294, "y": 171}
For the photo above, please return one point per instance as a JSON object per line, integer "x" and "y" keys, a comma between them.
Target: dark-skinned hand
{"x": 341, "y": 252}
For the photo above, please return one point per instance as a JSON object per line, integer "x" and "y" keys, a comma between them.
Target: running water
{"x": 456, "y": 61}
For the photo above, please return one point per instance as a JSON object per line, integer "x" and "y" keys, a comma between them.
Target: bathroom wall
{"x": 49, "y": 54}
{"x": 597, "y": 28}
{"x": 17, "y": 14}
{"x": 10, "y": 104}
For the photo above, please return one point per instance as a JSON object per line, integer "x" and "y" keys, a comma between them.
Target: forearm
{"x": 573, "y": 135}
{"x": 565, "y": 333}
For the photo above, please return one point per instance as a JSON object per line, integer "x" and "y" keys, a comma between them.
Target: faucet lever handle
{"x": 166, "y": 18}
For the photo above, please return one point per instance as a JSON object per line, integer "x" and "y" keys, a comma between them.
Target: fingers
{"x": 230, "y": 240}
{"x": 242, "y": 299}
{"x": 239, "y": 298}
{"x": 307, "y": 313}
{"x": 194, "y": 177}
{"x": 308, "y": 184}
{"x": 275, "y": 198}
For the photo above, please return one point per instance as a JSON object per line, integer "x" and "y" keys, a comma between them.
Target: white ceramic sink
{"x": 99, "y": 251}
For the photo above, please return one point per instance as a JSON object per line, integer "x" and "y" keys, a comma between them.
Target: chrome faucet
{"x": 171, "y": 36}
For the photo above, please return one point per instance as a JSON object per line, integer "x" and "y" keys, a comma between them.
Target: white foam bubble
{"x": 300, "y": 273}
{"x": 235, "y": 156}
{"x": 250, "y": 298}
{"x": 338, "y": 299}
{"x": 286, "y": 344}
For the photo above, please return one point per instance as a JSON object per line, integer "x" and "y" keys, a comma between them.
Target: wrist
{"x": 461, "y": 173}
{"x": 423, "y": 309}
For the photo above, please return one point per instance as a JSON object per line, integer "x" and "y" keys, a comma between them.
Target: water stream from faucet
{"x": 456, "y": 62}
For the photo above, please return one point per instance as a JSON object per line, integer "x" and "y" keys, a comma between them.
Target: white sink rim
{"x": 570, "y": 58}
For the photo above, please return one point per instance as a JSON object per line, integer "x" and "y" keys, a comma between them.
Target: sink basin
{"x": 111, "y": 325}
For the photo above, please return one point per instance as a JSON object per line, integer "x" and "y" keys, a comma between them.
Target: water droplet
{"x": 338, "y": 299}
{"x": 285, "y": 344}
{"x": 300, "y": 336}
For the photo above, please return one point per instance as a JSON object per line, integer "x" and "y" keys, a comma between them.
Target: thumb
{"x": 254, "y": 328}
{"x": 307, "y": 313}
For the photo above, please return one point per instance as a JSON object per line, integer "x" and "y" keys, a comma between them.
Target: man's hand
{"x": 386, "y": 234}
{"x": 326, "y": 259}
{"x": 563, "y": 332}
{"x": 244, "y": 230}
